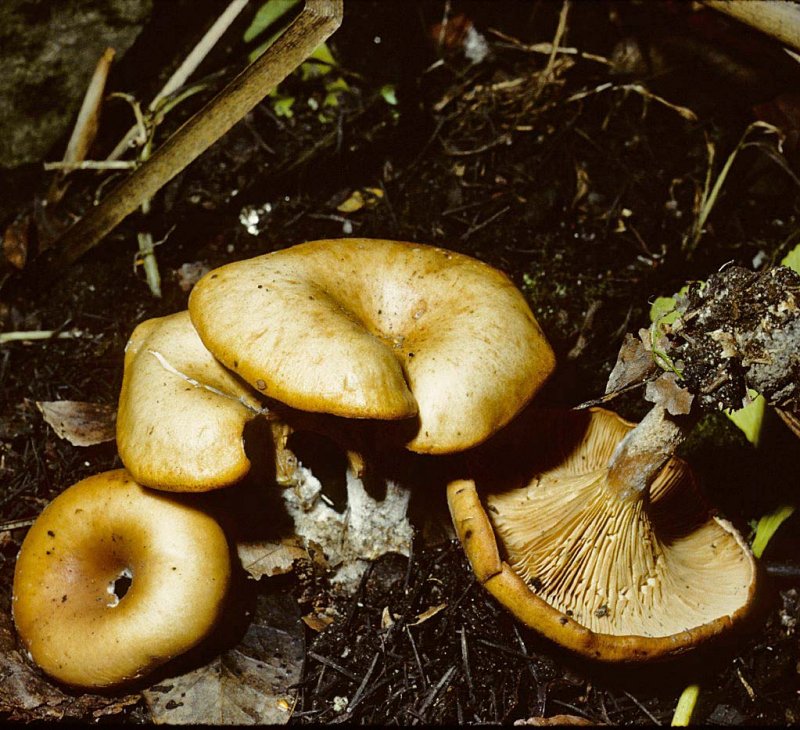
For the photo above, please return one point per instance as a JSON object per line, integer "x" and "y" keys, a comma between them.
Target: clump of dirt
{"x": 740, "y": 330}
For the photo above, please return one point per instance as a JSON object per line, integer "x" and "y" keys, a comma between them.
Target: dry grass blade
{"x": 185, "y": 70}
{"x": 86, "y": 125}
{"x": 710, "y": 194}
{"x": 792, "y": 420}
{"x": 685, "y": 112}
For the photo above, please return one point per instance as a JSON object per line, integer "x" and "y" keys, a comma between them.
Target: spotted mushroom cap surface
{"x": 615, "y": 579}
{"x": 368, "y": 328}
{"x": 181, "y": 414}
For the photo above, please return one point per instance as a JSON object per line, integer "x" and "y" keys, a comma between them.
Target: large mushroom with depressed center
{"x": 575, "y": 549}
{"x": 181, "y": 414}
{"x": 376, "y": 329}
{"x": 67, "y": 602}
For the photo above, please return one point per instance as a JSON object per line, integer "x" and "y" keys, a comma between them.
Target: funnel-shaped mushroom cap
{"x": 66, "y": 603}
{"x": 181, "y": 414}
{"x": 378, "y": 329}
{"x": 615, "y": 579}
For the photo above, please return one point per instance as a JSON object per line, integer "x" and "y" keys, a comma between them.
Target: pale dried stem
{"x": 315, "y": 23}
{"x": 33, "y": 335}
{"x": 186, "y": 69}
{"x": 85, "y": 129}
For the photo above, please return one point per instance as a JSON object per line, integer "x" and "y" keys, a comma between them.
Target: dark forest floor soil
{"x": 582, "y": 185}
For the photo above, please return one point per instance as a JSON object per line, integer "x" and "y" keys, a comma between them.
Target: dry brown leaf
{"x": 387, "y": 618}
{"x": 246, "y": 685}
{"x": 634, "y": 364}
{"x": 317, "y": 621}
{"x": 80, "y": 423}
{"x": 666, "y": 392}
{"x": 27, "y": 696}
{"x": 556, "y": 720}
{"x": 270, "y": 557}
{"x": 360, "y": 198}
{"x": 16, "y": 240}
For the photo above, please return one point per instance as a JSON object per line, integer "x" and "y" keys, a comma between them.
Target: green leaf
{"x": 663, "y": 308}
{"x": 389, "y": 94}
{"x": 749, "y": 418}
{"x": 268, "y": 14}
{"x": 768, "y": 525}
{"x": 320, "y": 62}
{"x": 792, "y": 259}
{"x": 333, "y": 88}
{"x": 282, "y": 105}
{"x": 686, "y": 705}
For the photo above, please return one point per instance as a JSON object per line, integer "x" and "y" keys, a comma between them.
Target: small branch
{"x": 16, "y": 524}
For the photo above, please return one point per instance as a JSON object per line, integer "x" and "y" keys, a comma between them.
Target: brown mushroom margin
{"x": 477, "y": 537}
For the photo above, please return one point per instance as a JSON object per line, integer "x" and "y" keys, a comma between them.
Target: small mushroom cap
{"x": 181, "y": 414}
{"x": 66, "y": 611}
{"x": 618, "y": 580}
{"x": 378, "y": 329}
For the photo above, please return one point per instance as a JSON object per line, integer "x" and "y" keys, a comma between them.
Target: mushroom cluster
{"x": 438, "y": 347}
{"x": 605, "y": 548}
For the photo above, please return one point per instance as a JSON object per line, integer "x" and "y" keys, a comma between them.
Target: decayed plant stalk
{"x": 316, "y": 22}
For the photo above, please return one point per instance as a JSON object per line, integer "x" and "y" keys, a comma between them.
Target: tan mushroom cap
{"x": 181, "y": 414}
{"x": 66, "y": 611}
{"x": 365, "y": 328}
{"x": 616, "y": 580}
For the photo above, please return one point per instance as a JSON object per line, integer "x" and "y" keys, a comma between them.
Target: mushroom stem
{"x": 640, "y": 456}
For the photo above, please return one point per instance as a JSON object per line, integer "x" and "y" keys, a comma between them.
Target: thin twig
{"x": 422, "y": 674}
{"x": 547, "y": 75}
{"x": 333, "y": 665}
{"x": 358, "y": 696}
{"x": 31, "y": 335}
{"x": 465, "y": 658}
{"x": 685, "y": 112}
{"x": 16, "y": 524}
{"x": 434, "y": 693}
{"x": 547, "y": 48}
{"x": 478, "y": 226}
{"x": 91, "y": 165}
{"x": 642, "y": 708}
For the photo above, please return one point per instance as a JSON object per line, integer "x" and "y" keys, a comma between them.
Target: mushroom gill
{"x": 653, "y": 570}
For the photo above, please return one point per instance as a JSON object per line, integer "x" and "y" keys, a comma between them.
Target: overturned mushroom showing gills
{"x": 614, "y": 574}
{"x": 66, "y": 598}
{"x": 378, "y": 329}
{"x": 181, "y": 414}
